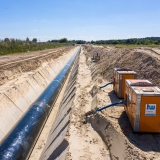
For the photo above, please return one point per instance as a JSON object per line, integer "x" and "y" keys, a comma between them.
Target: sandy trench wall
{"x": 113, "y": 140}
{"x": 16, "y": 99}
{"x": 57, "y": 146}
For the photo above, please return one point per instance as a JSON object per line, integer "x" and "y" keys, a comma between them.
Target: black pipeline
{"x": 94, "y": 111}
{"x": 19, "y": 144}
{"x": 106, "y": 84}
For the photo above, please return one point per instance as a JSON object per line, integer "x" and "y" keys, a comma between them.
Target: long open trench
{"x": 106, "y": 135}
{"x": 67, "y": 134}
{"x": 17, "y": 94}
{"x": 64, "y": 135}
{"x": 84, "y": 141}
{"x": 70, "y": 138}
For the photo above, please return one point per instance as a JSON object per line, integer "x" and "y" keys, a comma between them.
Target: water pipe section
{"x": 110, "y": 105}
{"x": 106, "y": 84}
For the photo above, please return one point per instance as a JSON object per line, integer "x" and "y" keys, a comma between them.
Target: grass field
{"x": 20, "y": 47}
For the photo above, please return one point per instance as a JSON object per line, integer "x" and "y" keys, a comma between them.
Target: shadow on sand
{"x": 144, "y": 141}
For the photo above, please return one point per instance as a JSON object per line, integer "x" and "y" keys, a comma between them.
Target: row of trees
{"x": 18, "y": 40}
{"x": 64, "y": 40}
{"x": 133, "y": 41}
{"x": 10, "y": 46}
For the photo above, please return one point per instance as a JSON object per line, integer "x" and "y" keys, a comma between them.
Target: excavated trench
{"x": 69, "y": 137}
{"x": 66, "y": 137}
{"x": 18, "y": 94}
{"x": 18, "y": 110}
{"x": 67, "y": 134}
{"x": 24, "y": 138}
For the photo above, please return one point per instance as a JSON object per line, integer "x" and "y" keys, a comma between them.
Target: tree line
{"x": 10, "y": 46}
{"x": 133, "y": 41}
{"x": 64, "y": 40}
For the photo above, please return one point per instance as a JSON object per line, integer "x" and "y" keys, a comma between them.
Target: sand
{"x": 39, "y": 147}
{"x": 108, "y": 135}
{"x": 112, "y": 124}
{"x": 84, "y": 141}
{"x": 15, "y": 65}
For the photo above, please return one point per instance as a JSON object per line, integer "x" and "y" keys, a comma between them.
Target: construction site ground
{"x": 113, "y": 124}
{"x": 15, "y": 65}
{"x": 108, "y": 134}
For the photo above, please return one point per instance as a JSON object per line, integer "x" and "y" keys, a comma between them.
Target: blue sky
{"x": 79, "y": 19}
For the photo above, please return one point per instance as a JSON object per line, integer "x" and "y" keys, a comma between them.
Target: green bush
{"x": 17, "y": 46}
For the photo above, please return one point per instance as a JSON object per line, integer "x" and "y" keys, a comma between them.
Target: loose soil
{"x": 112, "y": 124}
{"x": 108, "y": 135}
{"x": 144, "y": 61}
{"x": 13, "y": 66}
{"x": 84, "y": 142}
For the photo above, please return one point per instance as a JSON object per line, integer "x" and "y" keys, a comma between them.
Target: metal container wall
{"x": 127, "y": 96}
{"x": 143, "y": 106}
{"x": 120, "y": 75}
{"x": 116, "y": 77}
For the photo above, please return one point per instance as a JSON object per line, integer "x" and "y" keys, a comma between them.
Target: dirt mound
{"x": 141, "y": 61}
{"x": 112, "y": 124}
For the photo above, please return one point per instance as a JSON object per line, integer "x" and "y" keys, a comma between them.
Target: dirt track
{"x": 12, "y": 66}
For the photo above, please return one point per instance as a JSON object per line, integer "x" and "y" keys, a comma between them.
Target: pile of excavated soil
{"x": 112, "y": 124}
{"x": 144, "y": 61}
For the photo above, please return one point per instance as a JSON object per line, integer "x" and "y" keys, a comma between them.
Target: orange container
{"x": 120, "y": 75}
{"x": 143, "y": 105}
{"x": 132, "y": 82}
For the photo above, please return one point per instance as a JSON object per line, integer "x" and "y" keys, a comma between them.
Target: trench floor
{"x": 84, "y": 141}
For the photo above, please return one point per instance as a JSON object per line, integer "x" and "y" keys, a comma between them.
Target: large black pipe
{"x": 19, "y": 144}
